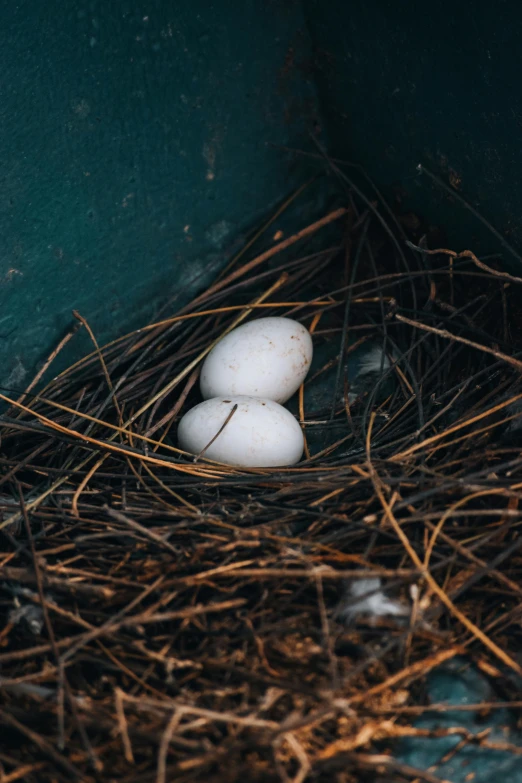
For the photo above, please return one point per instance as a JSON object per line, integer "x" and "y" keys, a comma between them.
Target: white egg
{"x": 259, "y": 434}
{"x": 268, "y": 358}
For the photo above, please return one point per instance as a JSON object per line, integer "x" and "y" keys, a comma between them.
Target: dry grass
{"x": 189, "y": 625}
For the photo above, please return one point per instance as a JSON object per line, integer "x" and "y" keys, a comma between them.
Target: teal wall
{"x": 438, "y": 83}
{"x": 136, "y": 151}
{"x": 141, "y": 140}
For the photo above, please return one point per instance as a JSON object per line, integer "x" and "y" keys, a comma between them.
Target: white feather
{"x": 374, "y": 360}
{"x": 366, "y": 597}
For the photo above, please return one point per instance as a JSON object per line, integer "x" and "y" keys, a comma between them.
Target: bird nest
{"x": 171, "y": 618}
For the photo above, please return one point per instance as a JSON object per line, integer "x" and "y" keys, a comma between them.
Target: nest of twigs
{"x": 170, "y": 619}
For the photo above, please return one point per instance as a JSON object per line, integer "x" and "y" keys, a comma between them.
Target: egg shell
{"x": 268, "y": 358}
{"x": 260, "y": 434}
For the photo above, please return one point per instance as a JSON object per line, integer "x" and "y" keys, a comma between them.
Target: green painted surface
{"x": 137, "y": 138}
{"x": 136, "y": 153}
{"x": 439, "y": 84}
{"x": 459, "y": 684}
